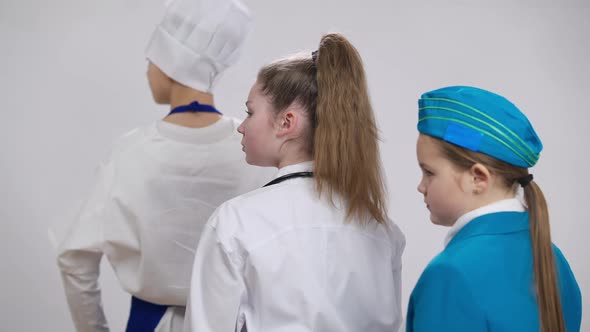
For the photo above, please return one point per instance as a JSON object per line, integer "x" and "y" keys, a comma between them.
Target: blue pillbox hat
{"x": 480, "y": 121}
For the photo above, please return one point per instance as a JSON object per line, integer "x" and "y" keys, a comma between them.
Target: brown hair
{"x": 548, "y": 298}
{"x": 343, "y": 137}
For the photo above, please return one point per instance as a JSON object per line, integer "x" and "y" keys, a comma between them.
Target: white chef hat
{"x": 198, "y": 39}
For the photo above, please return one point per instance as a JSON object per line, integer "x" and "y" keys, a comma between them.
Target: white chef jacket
{"x": 146, "y": 213}
{"x": 282, "y": 259}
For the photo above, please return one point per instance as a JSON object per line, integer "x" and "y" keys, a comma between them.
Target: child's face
{"x": 259, "y": 140}
{"x": 442, "y": 184}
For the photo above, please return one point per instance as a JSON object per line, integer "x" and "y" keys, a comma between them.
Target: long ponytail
{"x": 346, "y": 149}
{"x": 548, "y": 299}
{"x": 342, "y": 136}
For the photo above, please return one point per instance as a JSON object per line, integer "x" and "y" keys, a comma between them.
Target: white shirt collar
{"x": 306, "y": 166}
{"x": 511, "y": 204}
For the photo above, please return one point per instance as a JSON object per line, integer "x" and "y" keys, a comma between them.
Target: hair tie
{"x": 314, "y": 65}
{"x": 525, "y": 180}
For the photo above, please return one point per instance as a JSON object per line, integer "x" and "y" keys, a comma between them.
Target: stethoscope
{"x": 290, "y": 176}
{"x": 195, "y": 106}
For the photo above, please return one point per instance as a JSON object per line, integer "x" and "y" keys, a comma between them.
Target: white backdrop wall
{"x": 72, "y": 79}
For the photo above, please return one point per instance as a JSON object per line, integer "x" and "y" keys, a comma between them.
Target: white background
{"x": 72, "y": 79}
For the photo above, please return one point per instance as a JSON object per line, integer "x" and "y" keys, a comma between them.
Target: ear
{"x": 480, "y": 178}
{"x": 288, "y": 121}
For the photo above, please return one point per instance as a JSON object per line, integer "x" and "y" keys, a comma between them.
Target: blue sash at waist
{"x": 144, "y": 316}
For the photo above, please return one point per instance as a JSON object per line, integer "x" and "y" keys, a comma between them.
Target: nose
{"x": 421, "y": 187}
{"x": 241, "y": 128}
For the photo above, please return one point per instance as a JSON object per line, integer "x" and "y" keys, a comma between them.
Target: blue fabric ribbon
{"x": 194, "y": 107}
{"x": 144, "y": 316}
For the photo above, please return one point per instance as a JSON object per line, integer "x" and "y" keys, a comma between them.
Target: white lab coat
{"x": 146, "y": 213}
{"x": 281, "y": 259}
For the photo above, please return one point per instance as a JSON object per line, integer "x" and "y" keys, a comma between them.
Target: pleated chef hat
{"x": 198, "y": 39}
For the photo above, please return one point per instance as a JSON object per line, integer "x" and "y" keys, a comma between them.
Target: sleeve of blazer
{"x": 571, "y": 297}
{"x": 442, "y": 301}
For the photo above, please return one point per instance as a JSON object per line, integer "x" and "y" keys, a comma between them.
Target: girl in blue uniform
{"x": 499, "y": 270}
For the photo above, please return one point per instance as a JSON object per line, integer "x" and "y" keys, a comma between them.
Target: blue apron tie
{"x": 144, "y": 316}
{"x": 194, "y": 107}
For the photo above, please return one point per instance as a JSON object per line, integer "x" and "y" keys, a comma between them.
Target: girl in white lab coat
{"x": 162, "y": 182}
{"x": 314, "y": 249}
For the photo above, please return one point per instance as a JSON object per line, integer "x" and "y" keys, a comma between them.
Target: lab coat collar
{"x": 507, "y": 205}
{"x": 306, "y": 166}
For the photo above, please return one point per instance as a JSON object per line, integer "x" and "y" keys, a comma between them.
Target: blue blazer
{"x": 483, "y": 281}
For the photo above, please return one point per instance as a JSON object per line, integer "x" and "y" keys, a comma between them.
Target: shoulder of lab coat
{"x": 216, "y": 283}
{"x": 398, "y": 239}
{"x": 237, "y": 234}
